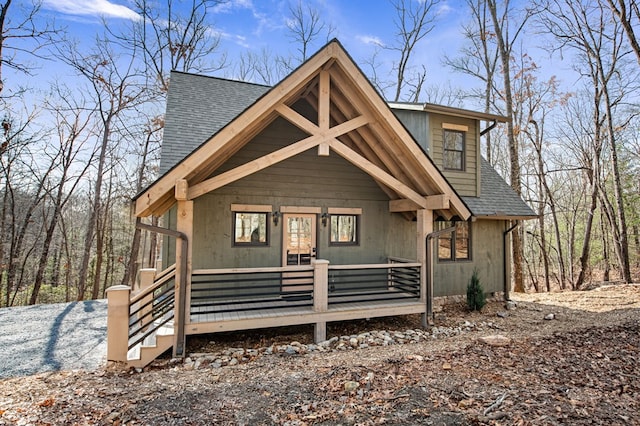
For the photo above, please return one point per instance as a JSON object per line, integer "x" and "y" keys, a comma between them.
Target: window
{"x": 250, "y": 229}
{"x": 456, "y": 245}
{"x": 344, "y": 229}
{"x": 454, "y": 150}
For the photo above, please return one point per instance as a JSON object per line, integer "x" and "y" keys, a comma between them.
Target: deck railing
{"x": 318, "y": 286}
{"x": 372, "y": 283}
{"x": 153, "y": 307}
{"x": 248, "y": 289}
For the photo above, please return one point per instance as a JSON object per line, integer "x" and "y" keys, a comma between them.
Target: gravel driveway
{"x": 61, "y": 336}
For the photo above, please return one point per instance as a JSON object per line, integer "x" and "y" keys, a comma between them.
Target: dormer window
{"x": 454, "y": 148}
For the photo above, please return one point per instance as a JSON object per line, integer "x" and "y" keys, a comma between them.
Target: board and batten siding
{"x": 467, "y": 182}
{"x": 306, "y": 180}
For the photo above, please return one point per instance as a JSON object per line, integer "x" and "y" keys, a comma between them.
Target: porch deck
{"x": 272, "y": 313}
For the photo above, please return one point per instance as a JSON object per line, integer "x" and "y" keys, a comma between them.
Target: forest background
{"x": 82, "y": 118}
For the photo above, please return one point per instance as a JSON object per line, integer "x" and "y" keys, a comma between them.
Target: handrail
{"x": 375, "y": 266}
{"x": 166, "y": 271}
{"x": 156, "y": 285}
{"x": 252, "y": 270}
{"x": 180, "y": 340}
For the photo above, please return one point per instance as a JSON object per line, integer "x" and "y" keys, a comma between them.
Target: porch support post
{"x": 118, "y": 322}
{"x": 320, "y": 296}
{"x": 424, "y": 226}
{"x": 183, "y": 273}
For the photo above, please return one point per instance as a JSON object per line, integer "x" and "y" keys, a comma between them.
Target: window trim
{"x": 463, "y": 160}
{"x": 251, "y": 209}
{"x": 454, "y": 238}
{"x": 357, "y": 214}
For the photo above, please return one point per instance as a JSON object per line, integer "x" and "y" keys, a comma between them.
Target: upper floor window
{"x": 457, "y": 244}
{"x": 454, "y": 147}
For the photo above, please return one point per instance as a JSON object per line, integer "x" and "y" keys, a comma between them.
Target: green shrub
{"x": 475, "y": 293}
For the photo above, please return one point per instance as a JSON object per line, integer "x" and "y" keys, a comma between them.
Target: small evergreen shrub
{"x": 475, "y": 293}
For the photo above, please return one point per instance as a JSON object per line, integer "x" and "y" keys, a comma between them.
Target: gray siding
{"x": 451, "y": 278}
{"x": 305, "y": 180}
{"x": 465, "y": 183}
{"x": 417, "y": 123}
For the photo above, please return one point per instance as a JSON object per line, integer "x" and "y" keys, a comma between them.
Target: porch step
{"x": 152, "y": 347}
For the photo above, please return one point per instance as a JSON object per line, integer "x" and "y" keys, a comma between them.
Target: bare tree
{"x": 19, "y": 26}
{"x": 71, "y": 123}
{"x": 628, "y": 14}
{"x": 115, "y": 88}
{"x": 413, "y": 21}
{"x": 505, "y": 39}
{"x": 587, "y": 28}
{"x": 174, "y": 38}
{"x": 305, "y": 27}
{"x": 479, "y": 59}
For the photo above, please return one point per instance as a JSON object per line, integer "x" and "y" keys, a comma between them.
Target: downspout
{"x": 429, "y": 315}
{"x": 178, "y": 349}
{"x": 505, "y": 234}
{"x": 488, "y": 129}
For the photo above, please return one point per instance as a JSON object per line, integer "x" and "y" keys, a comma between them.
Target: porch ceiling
{"x": 352, "y": 121}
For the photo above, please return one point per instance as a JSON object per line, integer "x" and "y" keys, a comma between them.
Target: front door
{"x": 298, "y": 248}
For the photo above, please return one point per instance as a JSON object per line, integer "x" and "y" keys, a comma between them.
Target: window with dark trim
{"x": 250, "y": 229}
{"x": 344, "y": 230}
{"x": 457, "y": 244}
{"x": 454, "y": 145}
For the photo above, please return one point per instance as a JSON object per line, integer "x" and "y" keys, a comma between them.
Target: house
{"x": 309, "y": 202}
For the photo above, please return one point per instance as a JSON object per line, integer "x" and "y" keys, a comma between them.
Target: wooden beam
{"x": 275, "y": 157}
{"x": 252, "y": 119}
{"x": 182, "y": 188}
{"x": 252, "y": 166}
{"x": 324, "y": 100}
{"x": 438, "y": 202}
{"x": 403, "y": 205}
{"x": 376, "y": 172}
{"x": 297, "y": 119}
{"x": 323, "y": 149}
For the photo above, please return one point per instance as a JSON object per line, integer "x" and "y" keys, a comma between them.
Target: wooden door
{"x": 298, "y": 248}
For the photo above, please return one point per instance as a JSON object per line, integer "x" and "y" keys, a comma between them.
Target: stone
{"x": 291, "y": 350}
{"x": 233, "y": 361}
{"x": 496, "y": 340}
{"x": 549, "y": 317}
{"x": 353, "y": 342}
{"x": 510, "y": 305}
{"x": 350, "y": 386}
{"x": 446, "y": 366}
{"x": 215, "y": 364}
{"x": 502, "y": 314}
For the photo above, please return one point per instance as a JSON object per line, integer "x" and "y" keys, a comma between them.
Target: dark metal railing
{"x": 152, "y": 308}
{"x": 249, "y": 289}
{"x": 372, "y": 283}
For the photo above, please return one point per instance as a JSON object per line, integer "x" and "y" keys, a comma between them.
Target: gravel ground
{"x": 62, "y": 336}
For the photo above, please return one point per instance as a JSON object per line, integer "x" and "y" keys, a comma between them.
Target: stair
{"x": 152, "y": 347}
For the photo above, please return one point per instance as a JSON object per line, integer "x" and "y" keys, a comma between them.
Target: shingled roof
{"x": 197, "y": 107}
{"x": 497, "y": 199}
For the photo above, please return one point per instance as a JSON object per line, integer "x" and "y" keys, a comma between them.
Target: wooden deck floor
{"x": 285, "y": 312}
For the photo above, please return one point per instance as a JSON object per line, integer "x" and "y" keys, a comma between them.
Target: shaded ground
{"x": 583, "y": 367}
{"x": 61, "y": 336}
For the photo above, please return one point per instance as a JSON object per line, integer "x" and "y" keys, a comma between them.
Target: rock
{"x": 510, "y": 305}
{"x": 502, "y": 314}
{"x": 496, "y": 340}
{"x": 353, "y": 342}
{"x": 549, "y": 317}
{"x": 291, "y": 350}
{"x": 215, "y": 364}
{"x": 350, "y": 386}
{"x": 233, "y": 361}
{"x": 446, "y": 366}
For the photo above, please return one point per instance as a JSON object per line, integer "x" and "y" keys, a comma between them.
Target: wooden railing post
{"x": 146, "y": 280}
{"x": 118, "y": 322}
{"x": 320, "y": 295}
